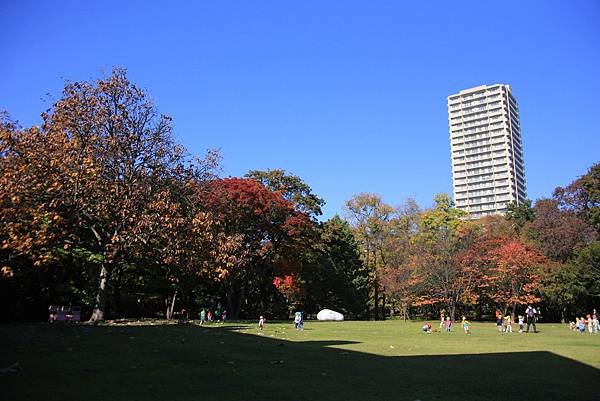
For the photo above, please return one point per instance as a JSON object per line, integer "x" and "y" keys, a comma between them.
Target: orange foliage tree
{"x": 102, "y": 174}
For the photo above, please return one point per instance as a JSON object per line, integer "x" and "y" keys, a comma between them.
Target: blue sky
{"x": 350, "y": 96}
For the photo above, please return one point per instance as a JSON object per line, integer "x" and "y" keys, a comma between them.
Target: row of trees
{"x": 100, "y": 207}
{"x": 424, "y": 262}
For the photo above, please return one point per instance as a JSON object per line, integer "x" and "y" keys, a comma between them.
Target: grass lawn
{"x": 327, "y": 361}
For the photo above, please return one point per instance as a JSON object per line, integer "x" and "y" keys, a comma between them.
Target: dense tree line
{"x": 101, "y": 207}
{"x": 423, "y": 263}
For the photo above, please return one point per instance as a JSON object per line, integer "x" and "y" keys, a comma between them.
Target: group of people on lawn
{"x": 504, "y": 323}
{"x": 590, "y": 322}
{"x": 446, "y": 325}
{"x": 207, "y": 316}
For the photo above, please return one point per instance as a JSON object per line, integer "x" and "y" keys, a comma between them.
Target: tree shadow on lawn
{"x": 217, "y": 363}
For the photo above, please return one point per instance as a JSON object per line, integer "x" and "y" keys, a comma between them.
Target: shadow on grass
{"x": 217, "y": 363}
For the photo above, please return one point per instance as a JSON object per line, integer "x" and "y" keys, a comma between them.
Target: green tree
{"x": 369, "y": 217}
{"x": 582, "y": 196}
{"x": 587, "y": 265}
{"x": 442, "y": 235}
{"x": 292, "y": 188}
{"x": 341, "y": 281}
{"x": 520, "y": 214}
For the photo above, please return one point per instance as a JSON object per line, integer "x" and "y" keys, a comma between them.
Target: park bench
{"x": 64, "y": 314}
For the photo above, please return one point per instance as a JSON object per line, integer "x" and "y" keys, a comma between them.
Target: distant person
{"x": 595, "y": 323}
{"x": 581, "y": 325}
{"x": 261, "y": 323}
{"x": 298, "y": 321}
{"x": 531, "y": 314}
{"x": 521, "y": 323}
{"x": 442, "y": 321}
{"x": 209, "y": 316}
{"x": 448, "y": 324}
{"x": 202, "y": 317}
{"x": 224, "y": 316}
{"x": 499, "y": 321}
{"x": 427, "y": 328}
{"x": 590, "y": 325}
{"x": 465, "y": 325}
{"x": 508, "y": 324}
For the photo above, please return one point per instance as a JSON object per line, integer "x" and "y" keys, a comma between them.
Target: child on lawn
{"x": 508, "y": 319}
{"x": 448, "y": 324}
{"x": 261, "y": 323}
{"x": 521, "y": 323}
{"x": 465, "y": 325}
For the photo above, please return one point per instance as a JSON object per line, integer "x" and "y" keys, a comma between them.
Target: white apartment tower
{"x": 487, "y": 153}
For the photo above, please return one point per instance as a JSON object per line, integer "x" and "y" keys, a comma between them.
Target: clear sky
{"x": 349, "y": 95}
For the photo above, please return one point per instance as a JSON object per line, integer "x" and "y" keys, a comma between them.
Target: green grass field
{"x": 327, "y": 361}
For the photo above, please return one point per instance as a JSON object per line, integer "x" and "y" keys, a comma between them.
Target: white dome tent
{"x": 328, "y": 314}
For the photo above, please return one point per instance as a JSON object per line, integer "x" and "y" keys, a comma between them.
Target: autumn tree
{"x": 291, "y": 188}
{"x": 93, "y": 177}
{"x": 264, "y": 232}
{"x": 558, "y": 233}
{"x": 442, "y": 235}
{"x": 369, "y": 217}
{"x": 399, "y": 278}
{"x": 513, "y": 276}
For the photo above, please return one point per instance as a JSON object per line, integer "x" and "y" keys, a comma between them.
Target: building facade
{"x": 487, "y": 152}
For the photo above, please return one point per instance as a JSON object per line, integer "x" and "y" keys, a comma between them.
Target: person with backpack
{"x": 530, "y": 314}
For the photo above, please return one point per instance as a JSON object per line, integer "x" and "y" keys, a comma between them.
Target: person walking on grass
{"x": 465, "y": 325}
{"x": 202, "y": 317}
{"x": 531, "y": 313}
{"x": 261, "y": 323}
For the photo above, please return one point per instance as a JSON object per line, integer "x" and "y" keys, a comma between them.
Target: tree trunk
{"x": 230, "y": 306}
{"x": 100, "y": 303}
{"x": 376, "y": 303}
{"x": 170, "y": 310}
{"x": 383, "y": 305}
{"x": 240, "y": 300}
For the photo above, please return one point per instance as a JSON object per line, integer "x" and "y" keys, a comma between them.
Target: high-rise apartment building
{"x": 487, "y": 153}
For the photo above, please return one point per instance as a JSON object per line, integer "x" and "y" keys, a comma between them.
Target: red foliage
{"x": 510, "y": 269}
